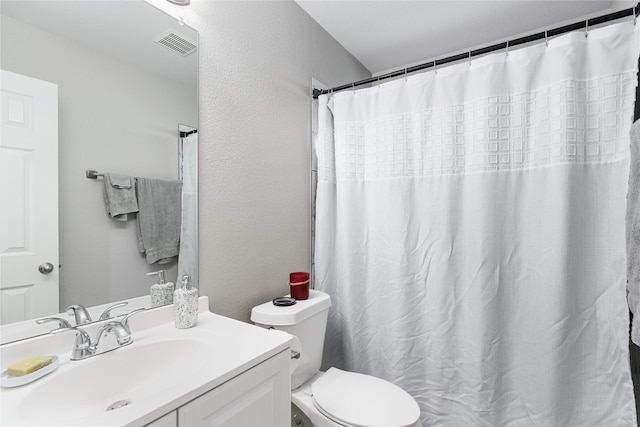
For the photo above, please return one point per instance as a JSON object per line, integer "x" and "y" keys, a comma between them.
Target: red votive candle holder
{"x": 299, "y": 285}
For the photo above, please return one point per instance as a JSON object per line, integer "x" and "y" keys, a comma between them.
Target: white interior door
{"x": 28, "y": 198}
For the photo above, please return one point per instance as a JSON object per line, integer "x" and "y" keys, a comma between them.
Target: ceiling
{"x": 384, "y": 35}
{"x": 390, "y": 35}
{"x": 121, "y": 29}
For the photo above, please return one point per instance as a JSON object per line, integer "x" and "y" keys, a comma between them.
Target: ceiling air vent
{"x": 176, "y": 42}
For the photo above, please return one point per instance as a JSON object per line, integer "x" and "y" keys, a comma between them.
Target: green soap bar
{"x": 28, "y": 365}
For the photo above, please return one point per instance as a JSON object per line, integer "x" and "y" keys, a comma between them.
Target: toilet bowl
{"x": 335, "y": 397}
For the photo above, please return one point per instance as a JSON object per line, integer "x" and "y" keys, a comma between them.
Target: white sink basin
{"x": 125, "y": 377}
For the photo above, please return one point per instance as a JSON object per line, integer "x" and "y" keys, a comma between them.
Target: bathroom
{"x": 256, "y": 61}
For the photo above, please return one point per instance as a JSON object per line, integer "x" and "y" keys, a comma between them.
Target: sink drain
{"x": 118, "y": 404}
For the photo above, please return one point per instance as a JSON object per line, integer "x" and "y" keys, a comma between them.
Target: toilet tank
{"x": 307, "y": 321}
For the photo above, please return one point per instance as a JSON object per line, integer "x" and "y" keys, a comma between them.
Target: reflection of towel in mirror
{"x": 633, "y": 234}
{"x": 159, "y": 219}
{"x": 119, "y": 196}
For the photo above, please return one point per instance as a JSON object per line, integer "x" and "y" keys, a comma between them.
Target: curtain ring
{"x": 406, "y": 77}
{"x": 469, "y": 58}
{"x": 635, "y": 16}
{"x": 353, "y": 87}
{"x": 507, "y": 48}
{"x": 586, "y": 28}
{"x": 378, "y": 82}
{"x": 435, "y": 67}
{"x": 546, "y": 38}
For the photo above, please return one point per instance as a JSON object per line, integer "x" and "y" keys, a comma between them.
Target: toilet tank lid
{"x": 271, "y": 315}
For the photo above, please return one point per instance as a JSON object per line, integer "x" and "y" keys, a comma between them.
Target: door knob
{"x": 45, "y": 268}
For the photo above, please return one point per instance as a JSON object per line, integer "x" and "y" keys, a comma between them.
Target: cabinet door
{"x": 169, "y": 420}
{"x": 258, "y": 397}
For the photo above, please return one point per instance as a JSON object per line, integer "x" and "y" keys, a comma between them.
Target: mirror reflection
{"x": 103, "y": 86}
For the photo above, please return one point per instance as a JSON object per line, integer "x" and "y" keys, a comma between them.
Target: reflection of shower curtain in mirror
{"x": 470, "y": 229}
{"x": 188, "y": 257}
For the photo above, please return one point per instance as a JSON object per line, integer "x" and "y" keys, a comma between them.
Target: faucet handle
{"x": 82, "y": 345}
{"x": 125, "y": 319}
{"x": 107, "y": 313}
{"x": 62, "y": 323}
{"x": 121, "y": 332}
{"x": 81, "y": 314}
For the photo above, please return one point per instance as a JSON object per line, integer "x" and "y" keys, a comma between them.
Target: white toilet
{"x": 334, "y": 397}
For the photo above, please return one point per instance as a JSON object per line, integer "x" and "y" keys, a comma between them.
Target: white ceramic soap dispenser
{"x": 185, "y": 303}
{"x": 161, "y": 292}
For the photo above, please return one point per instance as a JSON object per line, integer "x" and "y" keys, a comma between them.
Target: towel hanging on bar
{"x": 159, "y": 219}
{"x": 119, "y": 196}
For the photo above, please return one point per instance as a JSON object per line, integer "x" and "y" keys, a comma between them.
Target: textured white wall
{"x": 256, "y": 64}
{"x": 113, "y": 118}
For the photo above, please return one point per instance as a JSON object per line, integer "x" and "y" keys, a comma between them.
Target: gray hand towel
{"x": 633, "y": 233}
{"x": 119, "y": 196}
{"x": 159, "y": 219}
{"x": 120, "y": 181}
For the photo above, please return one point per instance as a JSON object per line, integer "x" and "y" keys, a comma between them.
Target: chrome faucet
{"x": 62, "y": 323}
{"x": 107, "y": 313}
{"x": 83, "y": 348}
{"x": 81, "y": 314}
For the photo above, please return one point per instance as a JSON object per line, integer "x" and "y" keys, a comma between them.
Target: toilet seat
{"x": 358, "y": 400}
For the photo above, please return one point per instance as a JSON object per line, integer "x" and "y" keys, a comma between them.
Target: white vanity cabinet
{"x": 259, "y": 396}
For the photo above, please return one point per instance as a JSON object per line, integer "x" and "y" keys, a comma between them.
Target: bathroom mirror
{"x": 126, "y": 78}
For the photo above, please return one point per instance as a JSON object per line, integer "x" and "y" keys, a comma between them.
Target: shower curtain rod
{"x": 633, "y": 11}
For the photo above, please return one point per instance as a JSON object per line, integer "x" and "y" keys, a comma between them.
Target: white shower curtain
{"x": 470, "y": 229}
